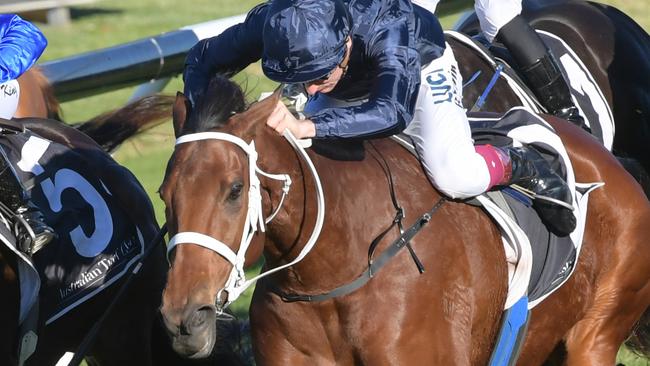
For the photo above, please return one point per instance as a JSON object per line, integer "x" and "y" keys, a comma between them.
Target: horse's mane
{"x": 220, "y": 100}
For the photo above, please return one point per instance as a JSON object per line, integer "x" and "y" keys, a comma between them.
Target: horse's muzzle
{"x": 195, "y": 336}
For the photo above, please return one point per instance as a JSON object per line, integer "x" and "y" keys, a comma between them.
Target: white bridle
{"x": 237, "y": 283}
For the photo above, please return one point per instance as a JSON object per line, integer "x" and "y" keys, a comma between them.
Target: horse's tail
{"x": 113, "y": 128}
{"x": 639, "y": 341}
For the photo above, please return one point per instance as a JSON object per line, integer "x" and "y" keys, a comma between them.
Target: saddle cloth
{"x": 586, "y": 93}
{"x": 96, "y": 244}
{"x": 523, "y": 234}
{"x": 538, "y": 261}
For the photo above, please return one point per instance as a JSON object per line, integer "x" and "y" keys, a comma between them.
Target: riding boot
{"x": 526, "y": 167}
{"x": 30, "y": 229}
{"x": 540, "y": 70}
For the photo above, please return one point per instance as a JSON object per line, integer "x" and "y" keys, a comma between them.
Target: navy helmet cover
{"x": 304, "y": 40}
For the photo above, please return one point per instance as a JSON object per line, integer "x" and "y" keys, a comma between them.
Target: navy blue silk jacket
{"x": 391, "y": 40}
{"x": 21, "y": 44}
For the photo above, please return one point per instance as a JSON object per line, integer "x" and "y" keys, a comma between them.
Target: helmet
{"x": 304, "y": 39}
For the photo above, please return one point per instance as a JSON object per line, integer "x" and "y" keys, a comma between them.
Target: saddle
{"x": 9, "y": 126}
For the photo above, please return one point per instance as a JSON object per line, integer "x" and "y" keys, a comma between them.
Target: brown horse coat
{"x": 36, "y": 96}
{"x": 447, "y": 315}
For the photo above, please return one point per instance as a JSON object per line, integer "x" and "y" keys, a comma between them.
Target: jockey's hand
{"x": 281, "y": 119}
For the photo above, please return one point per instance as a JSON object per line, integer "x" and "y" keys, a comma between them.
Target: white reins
{"x": 237, "y": 282}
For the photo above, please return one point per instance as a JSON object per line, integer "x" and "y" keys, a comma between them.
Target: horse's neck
{"x": 37, "y": 96}
{"x": 357, "y": 208}
{"x": 278, "y": 157}
{"x": 291, "y": 229}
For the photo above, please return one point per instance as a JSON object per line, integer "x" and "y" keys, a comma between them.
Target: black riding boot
{"x": 552, "y": 195}
{"x": 30, "y": 229}
{"x": 540, "y": 70}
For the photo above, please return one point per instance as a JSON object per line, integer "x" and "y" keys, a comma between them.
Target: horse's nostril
{"x": 198, "y": 320}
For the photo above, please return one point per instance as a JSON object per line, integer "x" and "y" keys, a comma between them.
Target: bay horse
{"x": 37, "y": 97}
{"x": 449, "y": 314}
{"x": 137, "y": 314}
{"x": 133, "y": 333}
{"x": 612, "y": 46}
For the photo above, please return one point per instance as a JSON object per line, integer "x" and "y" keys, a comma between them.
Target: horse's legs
{"x": 623, "y": 294}
{"x": 44, "y": 356}
{"x": 271, "y": 347}
{"x": 126, "y": 336}
{"x": 126, "y": 339}
{"x": 9, "y": 305}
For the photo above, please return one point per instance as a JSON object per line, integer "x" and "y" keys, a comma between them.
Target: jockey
{"x": 372, "y": 71}
{"x": 21, "y": 44}
{"x": 501, "y": 20}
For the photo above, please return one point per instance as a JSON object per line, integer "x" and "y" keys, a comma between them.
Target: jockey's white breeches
{"x": 439, "y": 130}
{"x": 441, "y": 133}
{"x": 492, "y": 14}
{"x": 9, "y": 93}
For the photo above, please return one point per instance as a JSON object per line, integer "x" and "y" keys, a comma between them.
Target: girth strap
{"x": 372, "y": 269}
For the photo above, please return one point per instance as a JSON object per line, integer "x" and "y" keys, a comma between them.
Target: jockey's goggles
{"x": 343, "y": 65}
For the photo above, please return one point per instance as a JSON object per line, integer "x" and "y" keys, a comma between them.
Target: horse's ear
{"x": 181, "y": 110}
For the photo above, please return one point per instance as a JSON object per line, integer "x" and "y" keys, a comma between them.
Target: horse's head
{"x": 206, "y": 192}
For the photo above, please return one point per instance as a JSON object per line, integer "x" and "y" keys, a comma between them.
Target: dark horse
{"x": 612, "y": 46}
{"x": 133, "y": 333}
{"x": 114, "y": 345}
{"x": 447, "y": 315}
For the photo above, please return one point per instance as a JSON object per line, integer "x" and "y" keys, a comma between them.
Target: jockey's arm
{"x": 225, "y": 54}
{"x": 21, "y": 44}
{"x": 393, "y": 94}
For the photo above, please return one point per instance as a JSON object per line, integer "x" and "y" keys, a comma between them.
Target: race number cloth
{"x": 97, "y": 243}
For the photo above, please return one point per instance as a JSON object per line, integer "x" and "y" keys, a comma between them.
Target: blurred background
{"x": 97, "y": 24}
{"x": 88, "y": 25}
{"x": 104, "y": 23}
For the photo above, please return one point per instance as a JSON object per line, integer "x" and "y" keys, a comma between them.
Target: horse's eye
{"x": 235, "y": 191}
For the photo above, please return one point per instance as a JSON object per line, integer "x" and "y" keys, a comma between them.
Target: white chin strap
{"x": 237, "y": 283}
